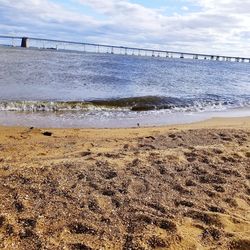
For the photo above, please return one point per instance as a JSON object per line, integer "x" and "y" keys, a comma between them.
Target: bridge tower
{"x": 25, "y": 42}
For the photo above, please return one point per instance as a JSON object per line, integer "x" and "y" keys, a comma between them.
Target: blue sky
{"x": 202, "y": 26}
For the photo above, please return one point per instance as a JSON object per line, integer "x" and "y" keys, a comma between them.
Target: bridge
{"x": 50, "y": 44}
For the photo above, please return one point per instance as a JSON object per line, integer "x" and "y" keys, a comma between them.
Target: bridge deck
{"x": 103, "y": 48}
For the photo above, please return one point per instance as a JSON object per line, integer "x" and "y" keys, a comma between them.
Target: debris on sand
{"x": 47, "y": 133}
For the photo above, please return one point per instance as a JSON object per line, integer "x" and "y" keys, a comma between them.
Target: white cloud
{"x": 185, "y": 8}
{"x": 39, "y": 16}
{"x": 242, "y": 6}
{"x": 218, "y": 27}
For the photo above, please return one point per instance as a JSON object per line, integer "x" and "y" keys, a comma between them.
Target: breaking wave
{"x": 137, "y": 104}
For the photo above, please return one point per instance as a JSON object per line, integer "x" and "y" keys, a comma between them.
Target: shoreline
{"x": 214, "y": 122}
{"x": 170, "y": 187}
{"x": 113, "y": 120}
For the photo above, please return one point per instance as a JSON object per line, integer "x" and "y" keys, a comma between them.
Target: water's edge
{"x": 142, "y": 119}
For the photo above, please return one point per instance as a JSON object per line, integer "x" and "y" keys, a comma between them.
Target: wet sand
{"x": 176, "y": 187}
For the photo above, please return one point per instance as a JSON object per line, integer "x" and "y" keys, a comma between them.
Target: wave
{"x": 144, "y": 103}
{"x": 47, "y": 106}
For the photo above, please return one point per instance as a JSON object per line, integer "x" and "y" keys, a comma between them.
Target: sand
{"x": 176, "y": 187}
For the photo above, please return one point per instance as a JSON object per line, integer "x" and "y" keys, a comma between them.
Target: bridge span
{"x": 50, "y": 44}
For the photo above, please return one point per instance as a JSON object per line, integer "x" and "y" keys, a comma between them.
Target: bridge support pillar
{"x": 25, "y": 42}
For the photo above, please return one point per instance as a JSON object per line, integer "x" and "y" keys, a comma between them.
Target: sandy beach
{"x": 173, "y": 187}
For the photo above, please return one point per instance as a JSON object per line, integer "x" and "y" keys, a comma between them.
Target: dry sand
{"x": 179, "y": 187}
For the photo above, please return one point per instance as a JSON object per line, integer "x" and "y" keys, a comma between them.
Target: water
{"x": 70, "y": 89}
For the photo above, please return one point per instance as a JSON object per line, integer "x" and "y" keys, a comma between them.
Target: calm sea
{"x": 69, "y": 89}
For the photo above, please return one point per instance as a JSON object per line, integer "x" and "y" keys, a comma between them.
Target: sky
{"x": 199, "y": 26}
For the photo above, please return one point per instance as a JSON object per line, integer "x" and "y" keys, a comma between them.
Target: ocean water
{"x": 72, "y": 89}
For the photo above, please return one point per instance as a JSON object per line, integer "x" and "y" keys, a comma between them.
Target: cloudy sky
{"x": 209, "y": 26}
